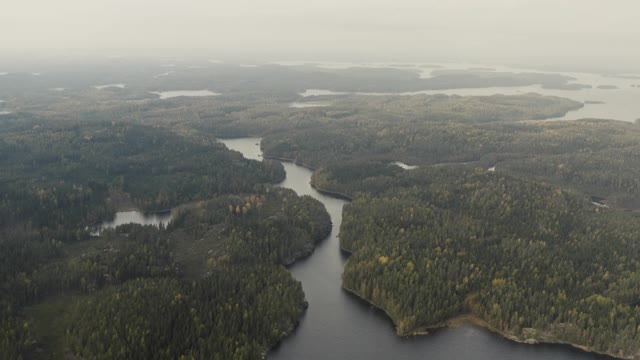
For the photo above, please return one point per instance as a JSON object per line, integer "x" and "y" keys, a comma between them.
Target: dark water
{"x": 337, "y": 325}
{"x": 134, "y": 217}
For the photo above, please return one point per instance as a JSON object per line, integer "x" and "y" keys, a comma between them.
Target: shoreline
{"x": 293, "y": 161}
{"x": 462, "y": 319}
{"x": 452, "y": 322}
{"x": 334, "y": 194}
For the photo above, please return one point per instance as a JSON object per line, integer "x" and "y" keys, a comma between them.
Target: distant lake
{"x": 320, "y": 92}
{"x": 163, "y": 74}
{"x": 309, "y": 104}
{"x": 404, "y": 166}
{"x": 135, "y": 217}
{"x": 615, "y": 104}
{"x": 249, "y": 147}
{"x": 618, "y": 95}
{"x": 187, "y": 93}
{"x": 120, "y": 86}
{"x": 3, "y": 112}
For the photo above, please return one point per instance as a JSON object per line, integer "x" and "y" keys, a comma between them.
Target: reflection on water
{"x": 135, "y": 217}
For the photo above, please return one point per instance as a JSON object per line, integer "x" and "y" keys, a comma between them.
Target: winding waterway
{"x": 338, "y": 325}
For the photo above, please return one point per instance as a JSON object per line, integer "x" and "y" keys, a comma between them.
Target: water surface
{"x": 187, "y": 93}
{"x": 340, "y": 326}
{"x": 119, "y": 86}
{"x": 620, "y": 103}
{"x": 404, "y": 166}
{"x": 163, "y": 74}
{"x": 135, "y": 217}
{"x": 308, "y": 104}
{"x": 320, "y": 92}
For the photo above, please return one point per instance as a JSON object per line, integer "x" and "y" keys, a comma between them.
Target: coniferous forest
{"x": 526, "y": 226}
{"x": 535, "y": 262}
{"x": 139, "y": 291}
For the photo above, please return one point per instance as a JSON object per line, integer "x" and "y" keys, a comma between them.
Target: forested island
{"x": 524, "y": 225}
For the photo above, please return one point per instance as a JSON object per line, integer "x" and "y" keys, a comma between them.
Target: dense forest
{"x": 56, "y": 176}
{"x": 216, "y": 273}
{"x": 597, "y": 157}
{"x": 532, "y": 261}
{"x": 496, "y": 223}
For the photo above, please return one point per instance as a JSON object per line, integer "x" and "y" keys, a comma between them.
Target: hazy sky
{"x": 536, "y": 31}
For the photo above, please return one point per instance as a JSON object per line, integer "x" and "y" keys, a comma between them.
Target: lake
{"x": 135, "y": 217}
{"x": 338, "y": 325}
{"x": 308, "y": 104}
{"x": 163, "y": 74}
{"x": 187, "y": 93}
{"x": 3, "y": 112}
{"x": 617, "y": 103}
{"x": 320, "y": 92}
{"x": 119, "y": 86}
{"x": 404, "y": 166}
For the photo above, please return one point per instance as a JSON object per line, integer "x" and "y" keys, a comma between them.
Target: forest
{"x": 525, "y": 225}
{"x": 216, "y": 272}
{"x": 597, "y": 157}
{"x": 58, "y": 175}
{"x": 532, "y": 261}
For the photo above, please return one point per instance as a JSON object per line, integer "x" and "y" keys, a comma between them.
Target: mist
{"x": 585, "y": 34}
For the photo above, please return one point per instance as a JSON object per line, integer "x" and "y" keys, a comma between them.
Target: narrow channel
{"x": 338, "y": 325}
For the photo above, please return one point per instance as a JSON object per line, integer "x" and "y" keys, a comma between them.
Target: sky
{"x": 585, "y": 32}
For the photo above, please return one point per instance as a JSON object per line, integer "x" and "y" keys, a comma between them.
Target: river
{"x": 338, "y": 325}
